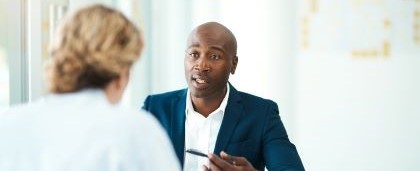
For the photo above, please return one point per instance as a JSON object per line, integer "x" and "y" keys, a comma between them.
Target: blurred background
{"x": 345, "y": 73}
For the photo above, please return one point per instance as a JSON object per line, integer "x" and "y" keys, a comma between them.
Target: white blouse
{"x": 82, "y": 131}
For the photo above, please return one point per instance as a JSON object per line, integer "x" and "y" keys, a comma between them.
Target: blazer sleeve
{"x": 146, "y": 104}
{"x": 279, "y": 152}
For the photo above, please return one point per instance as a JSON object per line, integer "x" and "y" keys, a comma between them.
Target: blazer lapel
{"x": 231, "y": 117}
{"x": 178, "y": 125}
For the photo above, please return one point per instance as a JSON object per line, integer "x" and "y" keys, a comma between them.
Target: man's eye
{"x": 215, "y": 57}
{"x": 193, "y": 54}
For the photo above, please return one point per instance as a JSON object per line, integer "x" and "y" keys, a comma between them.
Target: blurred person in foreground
{"x": 238, "y": 131}
{"x": 80, "y": 125}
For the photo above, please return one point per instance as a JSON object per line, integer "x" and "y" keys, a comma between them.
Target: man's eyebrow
{"x": 215, "y": 47}
{"x": 193, "y": 46}
{"x": 219, "y": 48}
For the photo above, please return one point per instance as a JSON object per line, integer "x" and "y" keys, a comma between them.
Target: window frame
{"x": 17, "y": 52}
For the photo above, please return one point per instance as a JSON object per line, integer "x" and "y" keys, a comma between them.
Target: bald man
{"x": 234, "y": 130}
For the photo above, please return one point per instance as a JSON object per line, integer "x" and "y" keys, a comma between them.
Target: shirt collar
{"x": 222, "y": 107}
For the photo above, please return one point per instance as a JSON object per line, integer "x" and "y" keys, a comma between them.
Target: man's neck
{"x": 207, "y": 105}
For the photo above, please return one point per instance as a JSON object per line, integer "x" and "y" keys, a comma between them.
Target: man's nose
{"x": 202, "y": 66}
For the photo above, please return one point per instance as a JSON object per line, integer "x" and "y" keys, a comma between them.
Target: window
{"x": 13, "y": 65}
{"x": 4, "y": 78}
{"x": 4, "y": 69}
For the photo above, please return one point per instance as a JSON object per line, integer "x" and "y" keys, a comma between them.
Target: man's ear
{"x": 234, "y": 64}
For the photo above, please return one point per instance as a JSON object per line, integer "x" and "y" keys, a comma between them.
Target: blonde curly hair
{"x": 91, "y": 48}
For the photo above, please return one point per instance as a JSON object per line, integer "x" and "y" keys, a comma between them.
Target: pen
{"x": 196, "y": 152}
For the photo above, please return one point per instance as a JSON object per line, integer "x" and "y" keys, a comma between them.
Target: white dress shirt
{"x": 82, "y": 131}
{"x": 201, "y": 132}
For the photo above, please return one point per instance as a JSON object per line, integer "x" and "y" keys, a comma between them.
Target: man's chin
{"x": 199, "y": 93}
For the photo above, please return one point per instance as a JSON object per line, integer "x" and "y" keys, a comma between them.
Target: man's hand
{"x": 228, "y": 163}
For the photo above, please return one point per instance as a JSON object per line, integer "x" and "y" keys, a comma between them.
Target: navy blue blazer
{"x": 251, "y": 128}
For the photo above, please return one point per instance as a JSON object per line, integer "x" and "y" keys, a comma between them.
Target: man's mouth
{"x": 200, "y": 79}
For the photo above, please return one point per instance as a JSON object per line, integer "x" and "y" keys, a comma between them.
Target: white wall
{"x": 359, "y": 112}
{"x": 358, "y": 115}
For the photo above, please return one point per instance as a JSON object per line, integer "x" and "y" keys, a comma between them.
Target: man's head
{"x": 210, "y": 59}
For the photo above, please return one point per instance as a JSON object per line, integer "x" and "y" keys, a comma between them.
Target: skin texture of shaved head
{"x": 217, "y": 30}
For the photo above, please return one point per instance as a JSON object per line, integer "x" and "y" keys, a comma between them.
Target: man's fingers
{"x": 238, "y": 161}
{"x": 227, "y": 157}
{"x": 219, "y": 162}
{"x": 205, "y": 168}
{"x": 213, "y": 167}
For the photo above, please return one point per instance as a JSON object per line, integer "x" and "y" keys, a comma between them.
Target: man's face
{"x": 209, "y": 60}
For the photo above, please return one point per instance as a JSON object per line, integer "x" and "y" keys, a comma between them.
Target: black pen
{"x": 196, "y": 152}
